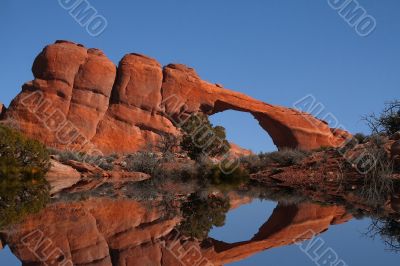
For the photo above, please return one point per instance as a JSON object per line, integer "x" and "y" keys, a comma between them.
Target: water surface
{"x": 241, "y": 229}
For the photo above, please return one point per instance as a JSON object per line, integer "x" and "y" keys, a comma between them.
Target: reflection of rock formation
{"x": 94, "y": 232}
{"x": 286, "y": 224}
{"x": 106, "y": 232}
{"x": 79, "y": 96}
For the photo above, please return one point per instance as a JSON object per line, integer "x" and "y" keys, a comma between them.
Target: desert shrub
{"x": 23, "y": 164}
{"x": 144, "y": 161}
{"x": 322, "y": 148}
{"x": 360, "y": 137}
{"x": 286, "y": 157}
{"x": 388, "y": 121}
{"x": 200, "y": 215}
{"x": 201, "y": 137}
{"x": 378, "y": 183}
{"x": 168, "y": 143}
{"x": 252, "y": 163}
{"x": 104, "y": 162}
{"x": 65, "y": 156}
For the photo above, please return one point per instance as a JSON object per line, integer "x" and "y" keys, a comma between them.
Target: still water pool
{"x": 256, "y": 232}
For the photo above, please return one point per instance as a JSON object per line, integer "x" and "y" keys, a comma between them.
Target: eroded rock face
{"x": 61, "y": 176}
{"x": 67, "y": 99}
{"x": 80, "y": 100}
{"x": 134, "y": 118}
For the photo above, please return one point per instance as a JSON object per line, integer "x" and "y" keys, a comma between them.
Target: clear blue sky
{"x": 277, "y": 50}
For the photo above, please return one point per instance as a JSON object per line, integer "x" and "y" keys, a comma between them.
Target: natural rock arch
{"x": 85, "y": 102}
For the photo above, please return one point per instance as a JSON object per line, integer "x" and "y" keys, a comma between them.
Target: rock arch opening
{"x": 244, "y": 130}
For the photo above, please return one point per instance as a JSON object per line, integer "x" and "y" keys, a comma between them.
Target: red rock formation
{"x": 69, "y": 96}
{"x": 61, "y": 176}
{"x": 238, "y": 151}
{"x": 80, "y": 100}
{"x": 134, "y": 115}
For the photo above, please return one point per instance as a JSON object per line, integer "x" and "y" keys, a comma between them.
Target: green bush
{"x": 200, "y": 215}
{"x": 202, "y": 138}
{"x": 23, "y": 164}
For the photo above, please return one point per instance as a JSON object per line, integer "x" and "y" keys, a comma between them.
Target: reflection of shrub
{"x": 201, "y": 137}
{"x": 389, "y": 231}
{"x": 378, "y": 183}
{"x": 145, "y": 162}
{"x": 200, "y": 215}
{"x": 227, "y": 180}
{"x": 283, "y": 195}
{"x": 23, "y": 164}
{"x": 187, "y": 172}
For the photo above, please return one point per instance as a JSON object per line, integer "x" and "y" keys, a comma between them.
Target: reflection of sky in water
{"x": 346, "y": 239}
{"x": 242, "y": 223}
{"x": 8, "y": 259}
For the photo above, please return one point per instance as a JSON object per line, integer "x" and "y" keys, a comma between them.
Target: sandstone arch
{"x": 89, "y": 103}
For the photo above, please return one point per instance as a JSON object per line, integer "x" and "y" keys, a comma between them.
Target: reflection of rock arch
{"x": 106, "y": 232}
{"x": 133, "y": 103}
{"x": 286, "y": 225}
